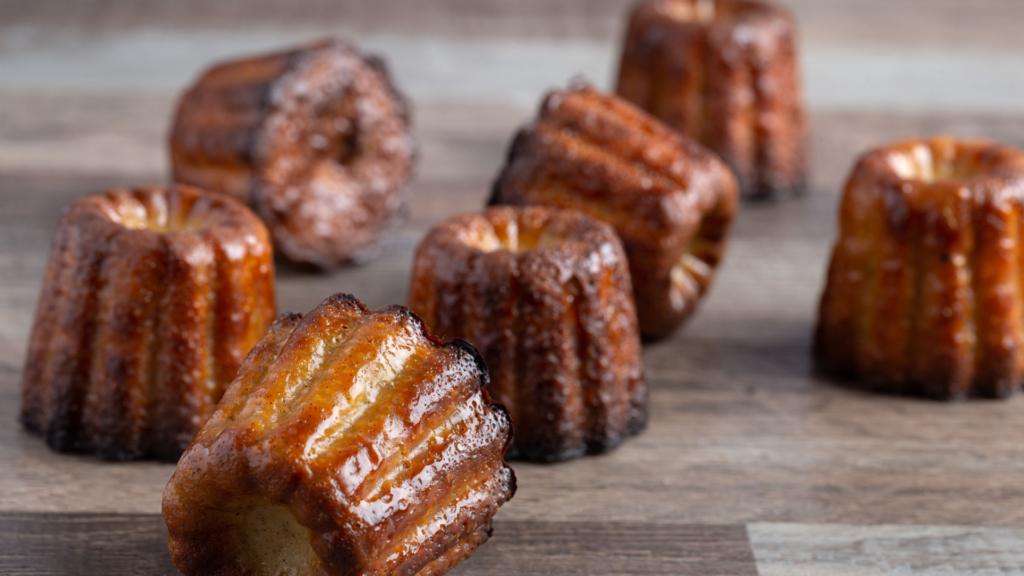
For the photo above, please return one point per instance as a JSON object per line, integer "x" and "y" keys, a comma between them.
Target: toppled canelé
{"x": 352, "y": 442}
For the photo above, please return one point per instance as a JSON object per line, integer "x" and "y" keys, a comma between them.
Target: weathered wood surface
{"x": 744, "y": 438}
{"x": 130, "y": 544}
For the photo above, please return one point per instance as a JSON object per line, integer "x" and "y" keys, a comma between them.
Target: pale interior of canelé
{"x": 513, "y": 237}
{"x": 920, "y": 162}
{"x": 156, "y": 216}
{"x": 271, "y": 542}
{"x": 690, "y": 274}
{"x": 691, "y": 10}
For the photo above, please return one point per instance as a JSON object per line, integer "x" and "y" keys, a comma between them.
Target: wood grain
{"x": 114, "y": 545}
{"x": 831, "y": 481}
{"x": 842, "y": 550}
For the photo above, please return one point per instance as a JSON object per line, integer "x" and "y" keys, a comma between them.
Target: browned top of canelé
{"x": 176, "y": 210}
{"x": 534, "y": 229}
{"x": 714, "y": 14}
{"x": 931, "y": 177}
{"x": 922, "y": 171}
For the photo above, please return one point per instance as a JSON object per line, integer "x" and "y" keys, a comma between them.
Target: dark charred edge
{"x": 342, "y": 299}
{"x": 499, "y": 408}
{"x": 286, "y": 318}
{"x": 485, "y": 374}
{"x": 496, "y": 407}
{"x": 513, "y": 481}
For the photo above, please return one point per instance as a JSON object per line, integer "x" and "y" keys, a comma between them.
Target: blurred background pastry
{"x": 670, "y": 200}
{"x": 727, "y": 74}
{"x": 315, "y": 139}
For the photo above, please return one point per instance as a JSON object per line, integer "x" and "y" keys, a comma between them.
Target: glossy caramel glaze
{"x": 351, "y": 443}
{"x": 725, "y": 73}
{"x": 152, "y": 298}
{"x": 670, "y": 200}
{"x": 315, "y": 139}
{"x": 545, "y": 296}
{"x": 924, "y": 291}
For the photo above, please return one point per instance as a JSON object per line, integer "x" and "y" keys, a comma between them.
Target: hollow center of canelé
{"x": 700, "y": 11}
{"x": 333, "y": 136}
{"x": 514, "y": 237}
{"x": 155, "y": 215}
{"x": 691, "y": 274}
{"x": 270, "y": 541}
{"x": 922, "y": 163}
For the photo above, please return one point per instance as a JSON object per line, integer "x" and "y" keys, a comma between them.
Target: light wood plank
{"x": 949, "y": 76}
{"x": 868, "y": 22}
{"x": 843, "y": 550}
{"x": 120, "y": 138}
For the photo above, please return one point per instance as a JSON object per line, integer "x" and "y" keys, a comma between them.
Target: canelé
{"x": 152, "y": 297}
{"x": 725, "y": 73}
{"x": 924, "y": 291}
{"x": 670, "y": 200}
{"x": 316, "y": 140}
{"x": 545, "y": 296}
{"x": 352, "y": 443}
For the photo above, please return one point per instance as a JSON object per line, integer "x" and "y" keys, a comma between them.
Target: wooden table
{"x": 751, "y": 464}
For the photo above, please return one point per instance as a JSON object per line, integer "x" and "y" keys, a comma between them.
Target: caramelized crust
{"x": 152, "y": 297}
{"x": 725, "y": 73}
{"x": 315, "y": 139}
{"x": 545, "y": 296}
{"x": 670, "y": 200}
{"x": 351, "y": 443}
{"x": 924, "y": 289}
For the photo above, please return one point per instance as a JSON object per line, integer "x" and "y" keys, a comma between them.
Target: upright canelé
{"x": 924, "y": 292}
{"x": 725, "y": 73}
{"x": 315, "y": 139}
{"x": 152, "y": 298}
{"x": 352, "y": 443}
{"x": 545, "y": 296}
{"x": 670, "y": 200}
